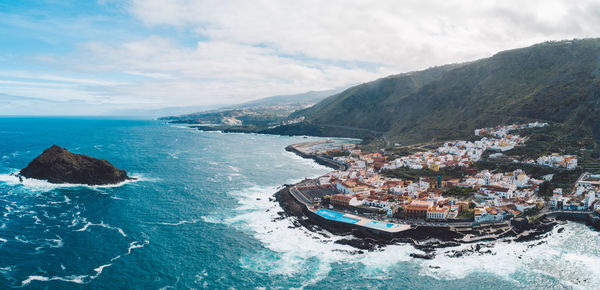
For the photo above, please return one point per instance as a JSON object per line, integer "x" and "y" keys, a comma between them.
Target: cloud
{"x": 158, "y": 53}
{"x": 211, "y": 71}
{"x": 405, "y": 34}
{"x": 15, "y": 99}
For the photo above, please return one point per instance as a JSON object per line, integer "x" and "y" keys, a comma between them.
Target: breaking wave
{"x": 37, "y": 185}
{"x": 294, "y": 250}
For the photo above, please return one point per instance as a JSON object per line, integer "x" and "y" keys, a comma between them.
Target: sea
{"x": 201, "y": 215}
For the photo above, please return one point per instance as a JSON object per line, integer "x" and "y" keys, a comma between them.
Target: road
{"x": 299, "y": 196}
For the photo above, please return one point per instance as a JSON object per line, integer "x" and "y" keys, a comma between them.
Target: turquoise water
{"x": 379, "y": 225}
{"x": 200, "y": 217}
{"x": 335, "y": 216}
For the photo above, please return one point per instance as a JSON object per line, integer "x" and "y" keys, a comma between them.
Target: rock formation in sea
{"x": 58, "y": 165}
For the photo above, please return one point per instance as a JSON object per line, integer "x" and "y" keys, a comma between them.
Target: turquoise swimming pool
{"x": 378, "y": 225}
{"x": 336, "y": 216}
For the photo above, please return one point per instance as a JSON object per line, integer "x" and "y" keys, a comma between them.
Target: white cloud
{"x": 212, "y": 71}
{"x": 250, "y": 49}
{"x": 326, "y": 44}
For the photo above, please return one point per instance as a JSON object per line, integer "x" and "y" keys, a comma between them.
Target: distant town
{"x": 360, "y": 189}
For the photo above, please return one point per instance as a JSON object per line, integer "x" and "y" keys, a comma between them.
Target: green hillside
{"x": 557, "y": 82}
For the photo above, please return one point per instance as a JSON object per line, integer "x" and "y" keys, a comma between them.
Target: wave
{"x": 570, "y": 257}
{"x": 136, "y": 245}
{"x": 84, "y": 279}
{"x": 292, "y": 250}
{"x": 14, "y": 154}
{"x": 77, "y": 279}
{"x": 212, "y": 219}
{"x": 181, "y": 127}
{"x": 231, "y": 176}
{"x": 38, "y": 185}
{"x": 179, "y": 222}
{"x": 306, "y": 161}
{"x": 45, "y": 279}
{"x": 52, "y": 243}
{"x": 101, "y": 224}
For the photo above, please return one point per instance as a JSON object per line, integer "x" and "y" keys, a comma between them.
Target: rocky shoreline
{"x": 425, "y": 238}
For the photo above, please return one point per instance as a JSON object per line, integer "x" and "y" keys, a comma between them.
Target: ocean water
{"x": 199, "y": 216}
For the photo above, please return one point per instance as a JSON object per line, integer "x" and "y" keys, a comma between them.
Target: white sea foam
{"x": 101, "y": 224}
{"x": 37, "y": 185}
{"x": 212, "y": 219}
{"x": 136, "y": 245}
{"x": 73, "y": 279}
{"x": 83, "y": 279}
{"x": 22, "y": 240}
{"x": 553, "y": 256}
{"x": 8, "y": 211}
{"x": 99, "y": 270}
{"x": 231, "y": 176}
{"x": 37, "y": 220}
{"x": 179, "y": 222}
{"x": 291, "y": 250}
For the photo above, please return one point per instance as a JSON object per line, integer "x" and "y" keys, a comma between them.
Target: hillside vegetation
{"x": 556, "y": 82}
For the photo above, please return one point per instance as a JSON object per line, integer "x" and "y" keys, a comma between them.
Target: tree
{"x": 545, "y": 189}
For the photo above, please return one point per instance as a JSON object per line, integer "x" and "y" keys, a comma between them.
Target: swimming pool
{"x": 336, "y": 216}
{"x": 379, "y": 225}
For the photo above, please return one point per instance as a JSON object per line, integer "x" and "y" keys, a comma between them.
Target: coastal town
{"x": 363, "y": 188}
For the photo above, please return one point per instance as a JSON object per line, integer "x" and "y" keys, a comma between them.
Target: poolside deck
{"x": 361, "y": 221}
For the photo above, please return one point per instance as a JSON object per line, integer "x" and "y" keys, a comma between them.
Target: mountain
{"x": 556, "y": 82}
{"x": 261, "y": 112}
{"x": 166, "y": 111}
{"x": 311, "y": 97}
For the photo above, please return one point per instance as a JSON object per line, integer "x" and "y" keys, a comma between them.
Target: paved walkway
{"x": 362, "y": 221}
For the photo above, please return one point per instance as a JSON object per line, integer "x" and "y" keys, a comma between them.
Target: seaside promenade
{"x": 355, "y": 220}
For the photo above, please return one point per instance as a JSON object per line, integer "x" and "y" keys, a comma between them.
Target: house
{"x": 484, "y": 215}
{"x": 324, "y": 180}
{"x": 524, "y": 206}
{"x": 498, "y": 191}
{"x": 340, "y": 200}
{"x": 438, "y": 213}
{"x": 418, "y": 208}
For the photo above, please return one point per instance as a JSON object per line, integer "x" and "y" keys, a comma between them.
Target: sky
{"x": 78, "y": 57}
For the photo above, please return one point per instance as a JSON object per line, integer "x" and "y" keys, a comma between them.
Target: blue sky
{"x": 97, "y": 57}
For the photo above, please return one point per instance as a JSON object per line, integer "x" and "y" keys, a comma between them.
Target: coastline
{"x": 320, "y": 159}
{"x": 424, "y": 237}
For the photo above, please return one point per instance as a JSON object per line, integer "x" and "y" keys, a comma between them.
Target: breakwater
{"x": 300, "y": 150}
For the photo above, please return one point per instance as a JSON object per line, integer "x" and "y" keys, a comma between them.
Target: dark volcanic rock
{"x": 57, "y": 165}
{"x": 422, "y": 256}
